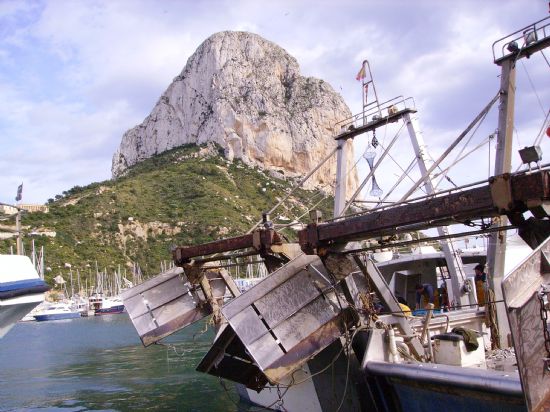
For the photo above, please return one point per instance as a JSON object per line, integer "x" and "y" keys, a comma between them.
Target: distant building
{"x": 10, "y": 210}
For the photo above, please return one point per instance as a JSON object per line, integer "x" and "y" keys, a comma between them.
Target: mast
{"x": 453, "y": 260}
{"x": 341, "y": 173}
{"x": 532, "y": 38}
{"x": 18, "y": 229}
{"x": 373, "y": 117}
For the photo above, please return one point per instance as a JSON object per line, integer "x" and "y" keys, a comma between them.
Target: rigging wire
{"x": 458, "y": 157}
{"x": 444, "y": 171}
{"x": 400, "y": 180}
{"x": 533, "y": 87}
{"x": 371, "y": 173}
{"x": 415, "y": 161}
{"x": 284, "y": 199}
{"x": 541, "y": 132}
{"x": 468, "y": 141}
{"x": 453, "y": 145}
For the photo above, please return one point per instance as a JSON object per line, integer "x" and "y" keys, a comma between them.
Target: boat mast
{"x": 506, "y": 52}
{"x": 341, "y": 174}
{"x": 452, "y": 259}
{"x": 18, "y": 229}
{"x": 395, "y": 112}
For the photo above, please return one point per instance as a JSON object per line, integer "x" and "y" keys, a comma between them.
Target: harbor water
{"x": 99, "y": 364}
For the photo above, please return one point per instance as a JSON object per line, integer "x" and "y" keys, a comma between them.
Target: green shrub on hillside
{"x": 176, "y": 198}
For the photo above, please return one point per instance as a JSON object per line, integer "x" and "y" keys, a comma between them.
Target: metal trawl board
{"x": 164, "y": 305}
{"x": 228, "y": 359}
{"x": 520, "y": 290}
{"x": 288, "y": 317}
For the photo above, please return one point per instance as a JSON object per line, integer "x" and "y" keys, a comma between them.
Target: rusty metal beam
{"x": 506, "y": 194}
{"x": 182, "y": 254}
{"x": 356, "y": 131}
{"x": 261, "y": 240}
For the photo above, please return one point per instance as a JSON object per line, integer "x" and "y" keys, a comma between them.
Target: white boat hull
{"x": 21, "y": 290}
{"x": 14, "y": 309}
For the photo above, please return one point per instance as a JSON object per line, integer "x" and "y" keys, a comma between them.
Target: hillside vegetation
{"x": 182, "y": 197}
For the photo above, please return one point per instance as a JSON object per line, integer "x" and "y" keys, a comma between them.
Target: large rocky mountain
{"x": 245, "y": 94}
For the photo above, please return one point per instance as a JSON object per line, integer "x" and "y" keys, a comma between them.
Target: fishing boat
{"x": 56, "y": 311}
{"x": 325, "y": 330}
{"x": 21, "y": 290}
{"x": 109, "y": 306}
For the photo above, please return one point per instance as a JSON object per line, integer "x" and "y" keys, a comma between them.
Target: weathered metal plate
{"x": 228, "y": 359}
{"x": 520, "y": 294}
{"x": 164, "y": 305}
{"x": 289, "y": 317}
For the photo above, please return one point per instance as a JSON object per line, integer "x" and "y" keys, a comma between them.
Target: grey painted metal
{"x": 288, "y": 317}
{"x": 520, "y": 291}
{"x": 164, "y": 305}
{"x": 454, "y": 262}
{"x": 369, "y": 269}
{"x": 486, "y": 381}
{"x": 496, "y": 249}
{"x": 341, "y": 175}
{"x": 169, "y": 302}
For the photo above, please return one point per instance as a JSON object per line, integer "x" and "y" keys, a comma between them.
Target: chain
{"x": 544, "y": 300}
{"x": 281, "y": 400}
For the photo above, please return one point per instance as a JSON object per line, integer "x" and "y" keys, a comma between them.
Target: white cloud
{"x": 74, "y": 75}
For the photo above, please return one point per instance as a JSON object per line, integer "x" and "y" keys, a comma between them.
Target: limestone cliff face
{"x": 247, "y": 95}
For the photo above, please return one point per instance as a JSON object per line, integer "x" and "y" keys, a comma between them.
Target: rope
{"x": 491, "y": 318}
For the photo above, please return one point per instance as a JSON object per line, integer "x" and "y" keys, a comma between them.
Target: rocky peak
{"x": 247, "y": 95}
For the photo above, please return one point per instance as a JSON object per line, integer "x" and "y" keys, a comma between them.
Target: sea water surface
{"x": 99, "y": 364}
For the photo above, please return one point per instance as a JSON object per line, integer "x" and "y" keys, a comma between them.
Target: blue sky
{"x": 75, "y": 75}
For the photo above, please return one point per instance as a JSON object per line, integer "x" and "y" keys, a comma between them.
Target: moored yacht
{"x": 57, "y": 311}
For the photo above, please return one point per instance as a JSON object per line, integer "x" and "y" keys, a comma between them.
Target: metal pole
{"x": 18, "y": 228}
{"x": 341, "y": 174}
{"x": 454, "y": 262}
{"x": 496, "y": 250}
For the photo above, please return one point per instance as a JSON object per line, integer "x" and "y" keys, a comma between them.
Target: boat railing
{"x": 374, "y": 112}
{"x": 524, "y": 41}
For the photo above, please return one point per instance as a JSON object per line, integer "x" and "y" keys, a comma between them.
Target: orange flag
{"x": 362, "y": 73}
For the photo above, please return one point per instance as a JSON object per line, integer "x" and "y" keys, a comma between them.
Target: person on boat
{"x": 425, "y": 293}
{"x": 443, "y": 297}
{"x": 481, "y": 284}
{"x": 401, "y": 299}
{"x": 403, "y": 305}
